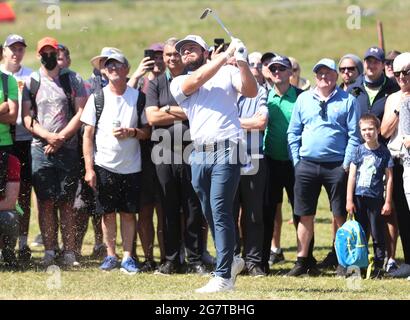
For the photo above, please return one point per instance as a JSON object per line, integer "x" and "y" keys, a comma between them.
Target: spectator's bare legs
{"x": 109, "y": 227}
{"x": 160, "y": 231}
{"x": 81, "y": 225}
{"x": 24, "y": 202}
{"x": 277, "y": 227}
{"x": 334, "y": 228}
{"x": 392, "y": 234}
{"x": 81, "y": 230}
{"x": 128, "y": 229}
{"x": 305, "y": 234}
{"x": 48, "y": 224}
{"x": 98, "y": 234}
{"x": 67, "y": 217}
{"x": 146, "y": 231}
{"x": 338, "y": 222}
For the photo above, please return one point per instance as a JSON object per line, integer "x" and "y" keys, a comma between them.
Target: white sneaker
{"x": 38, "y": 241}
{"x": 237, "y": 266}
{"x": 70, "y": 260}
{"x": 216, "y": 284}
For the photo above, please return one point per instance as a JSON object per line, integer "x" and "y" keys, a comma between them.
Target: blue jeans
{"x": 215, "y": 181}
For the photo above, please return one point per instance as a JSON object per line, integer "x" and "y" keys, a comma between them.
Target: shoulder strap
{"x": 5, "y": 81}
{"x": 140, "y": 107}
{"x": 34, "y": 86}
{"x": 99, "y": 104}
{"x": 64, "y": 78}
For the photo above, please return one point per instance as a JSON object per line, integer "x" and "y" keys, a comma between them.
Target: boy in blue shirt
{"x": 365, "y": 188}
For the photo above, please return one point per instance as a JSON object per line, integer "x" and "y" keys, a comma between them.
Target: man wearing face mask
{"x": 52, "y": 113}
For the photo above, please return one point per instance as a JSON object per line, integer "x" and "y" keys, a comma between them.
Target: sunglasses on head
{"x": 403, "y": 72}
{"x": 350, "y": 69}
{"x": 280, "y": 68}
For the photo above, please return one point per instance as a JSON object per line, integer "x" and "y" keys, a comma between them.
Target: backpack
{"x": 351, "y": 244}
{"x": 5, "y": 82}
{"x": 64, "y": 79}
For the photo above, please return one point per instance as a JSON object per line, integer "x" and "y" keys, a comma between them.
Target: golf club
{"x": 208, "y": 11}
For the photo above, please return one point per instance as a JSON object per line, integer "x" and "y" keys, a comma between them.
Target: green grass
{"x": 307, "y": 30}
{"x": 90, "y": 283}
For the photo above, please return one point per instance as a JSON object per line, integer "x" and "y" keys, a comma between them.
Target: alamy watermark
{"x": 54, "y": 281}
{"x": 54, "y": 14}
{"x": 354, "y": 20}
{"x": 354, "y": 278}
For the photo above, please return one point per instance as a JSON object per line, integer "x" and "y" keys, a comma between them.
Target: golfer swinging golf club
{"x": 208, "y": 95}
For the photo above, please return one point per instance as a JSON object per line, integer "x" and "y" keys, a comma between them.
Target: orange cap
{"x": 47, "y": 41}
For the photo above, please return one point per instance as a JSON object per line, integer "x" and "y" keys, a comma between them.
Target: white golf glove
{"x": 241, "y": 53}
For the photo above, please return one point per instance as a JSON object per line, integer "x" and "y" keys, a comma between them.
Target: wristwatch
{"x": 396, "y": 112}
{"x": 167, "y": 108}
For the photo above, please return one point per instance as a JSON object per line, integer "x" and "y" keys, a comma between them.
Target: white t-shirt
{"x": 21, "y": 76}
{"x": 212, "y": 110}
{"x": 121, "y": 156}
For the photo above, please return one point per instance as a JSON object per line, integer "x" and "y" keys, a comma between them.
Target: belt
{"x": 212, "y": 147}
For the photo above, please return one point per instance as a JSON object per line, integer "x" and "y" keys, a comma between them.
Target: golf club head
{"x": 205, "y": 13}
{"x": 208, "y": 11}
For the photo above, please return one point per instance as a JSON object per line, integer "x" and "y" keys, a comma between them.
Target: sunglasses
{"x": 403, "y": 72}
{"x": 114, "y": 65}
{"x": 274, "y": 69}
{"x": 350, "y": 69}
{"x": 255, "y": 65}
{"x": 388, "y": 62}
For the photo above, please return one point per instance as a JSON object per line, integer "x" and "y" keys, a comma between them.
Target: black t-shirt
{"x": 159, "y": 94}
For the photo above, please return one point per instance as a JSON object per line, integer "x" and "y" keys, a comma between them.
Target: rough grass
{"x": 90, "y": 283}
{"x": 307, "y": 30}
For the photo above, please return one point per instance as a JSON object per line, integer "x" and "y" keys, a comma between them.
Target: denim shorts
{"x": 55, "y": 176}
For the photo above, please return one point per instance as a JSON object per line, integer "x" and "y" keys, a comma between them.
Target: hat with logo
{"x": 14, "y": 38}
{"x": 282, "y": 60}
{"x": 375, "y": 52}
{"x": 105, "y": 53}
{"x": 325, "y": 62}
{"x": 191, "y": 38}
{"x": 47, "y": 41}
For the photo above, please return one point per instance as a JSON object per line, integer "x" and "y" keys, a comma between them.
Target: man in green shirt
{"x": 281, "y": 98}
{"x": 8, "y": 111}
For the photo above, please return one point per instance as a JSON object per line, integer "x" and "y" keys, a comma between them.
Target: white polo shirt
{"x": 116, "y": 155}
{"x": 212, "y": 110}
